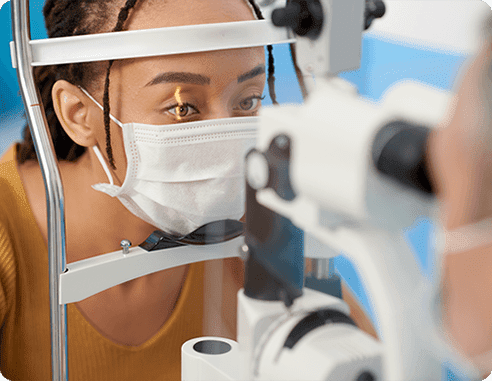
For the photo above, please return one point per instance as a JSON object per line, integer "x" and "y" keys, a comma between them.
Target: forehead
{"x": 218, "y": 65}
{"x": 167, "y": 13}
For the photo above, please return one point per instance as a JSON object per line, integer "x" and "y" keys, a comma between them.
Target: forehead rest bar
{"x": 154, "y": 42}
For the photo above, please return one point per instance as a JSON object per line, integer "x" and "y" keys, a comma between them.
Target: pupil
{"x": 182, "y": 110}
{"x": 247, "y": 104}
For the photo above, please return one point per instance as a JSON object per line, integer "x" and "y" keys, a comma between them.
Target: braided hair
{"x": 79, "y": 17}
{"x": 271, "y": 66}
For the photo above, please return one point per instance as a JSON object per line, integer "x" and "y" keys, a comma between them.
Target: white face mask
{"x": 183, "y": 176}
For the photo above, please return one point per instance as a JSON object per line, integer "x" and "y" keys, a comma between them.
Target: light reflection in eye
{"x": 177, "y": 95}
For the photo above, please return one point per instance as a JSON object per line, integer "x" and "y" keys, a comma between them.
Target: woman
{"x": 134, "y": 330}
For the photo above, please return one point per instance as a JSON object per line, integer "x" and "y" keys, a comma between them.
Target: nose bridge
{"x": 219, "y": 110}
{"x": 222, "y": 97}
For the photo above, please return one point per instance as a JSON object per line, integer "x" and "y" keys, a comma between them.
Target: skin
{"x": 460, "y": 157}
{"x": 131, "y": 313}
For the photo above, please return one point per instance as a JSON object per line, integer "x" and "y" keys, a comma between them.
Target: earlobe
{"x": 72, "y": 109}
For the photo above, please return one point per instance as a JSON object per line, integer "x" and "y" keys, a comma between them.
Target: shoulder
{"x": 10, "y": 200}
{"x": 7, "y": 164}
{"x": 15, "y": 211}
{"x": 9, "y": 181}
{"x": 9, "y": 228}
{"x": 21, "y": 187}
{"x": 12, "y": 193}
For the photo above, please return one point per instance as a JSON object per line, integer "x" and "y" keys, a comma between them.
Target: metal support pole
{"x": 52, "y": 181}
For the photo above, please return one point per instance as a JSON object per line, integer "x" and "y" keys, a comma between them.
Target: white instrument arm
{"x": 345, "y": 203}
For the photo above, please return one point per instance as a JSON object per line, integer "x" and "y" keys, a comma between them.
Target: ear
{"x": 73, "y": 109}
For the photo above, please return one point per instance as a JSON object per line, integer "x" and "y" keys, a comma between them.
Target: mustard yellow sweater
{"x": 25, "y": 347}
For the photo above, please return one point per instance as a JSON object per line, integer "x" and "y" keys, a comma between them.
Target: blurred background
{"x": 425, "y": 40}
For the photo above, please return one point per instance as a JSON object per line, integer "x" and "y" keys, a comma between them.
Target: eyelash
{"x": 186, "y": 104}
{"x": 259, "y": 97}
{"x": 254, "y": 97}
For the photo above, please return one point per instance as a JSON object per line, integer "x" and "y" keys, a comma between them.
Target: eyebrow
{"x": 259, "y": 70}
{"x": 198, "y": 79}
{"x": 179, "y": 77}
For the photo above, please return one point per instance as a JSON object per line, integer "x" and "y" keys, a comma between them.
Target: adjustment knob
{"x": 305, "y": 18}
{"x": 287, "y": 17}
{"x": 125, "y": 245}
{"x": 374, "y": 9}
{"x": 366, "y": 376}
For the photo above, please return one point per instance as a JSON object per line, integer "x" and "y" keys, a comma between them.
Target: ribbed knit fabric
{"x": 25, "y": 348}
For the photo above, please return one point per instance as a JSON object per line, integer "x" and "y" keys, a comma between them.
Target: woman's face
{"x": 181, "y": 88}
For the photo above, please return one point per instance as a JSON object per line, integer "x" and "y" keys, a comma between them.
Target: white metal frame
{"x": 108, "y": 270}
{"x": 154, "y": 42}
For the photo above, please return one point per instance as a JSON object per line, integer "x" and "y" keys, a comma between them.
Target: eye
{"x": 251, "y": 103}
{"x": 184, "y": 110}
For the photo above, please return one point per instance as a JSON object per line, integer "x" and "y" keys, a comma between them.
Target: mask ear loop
{"x": 96, "y": 148}
{"x": 101, "y": 107}
{"x": 103, "y": 163}
{"x": 468, "y": 237}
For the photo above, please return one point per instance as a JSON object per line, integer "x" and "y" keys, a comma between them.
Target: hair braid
{"x": 271, "y": 63}
{"x": 122, "y": 17}
{"x": 66, "y": 18}
{"x": 299, "y": 75}
{"x": 62, "y": 18}
{"x": 271, "y": 75}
